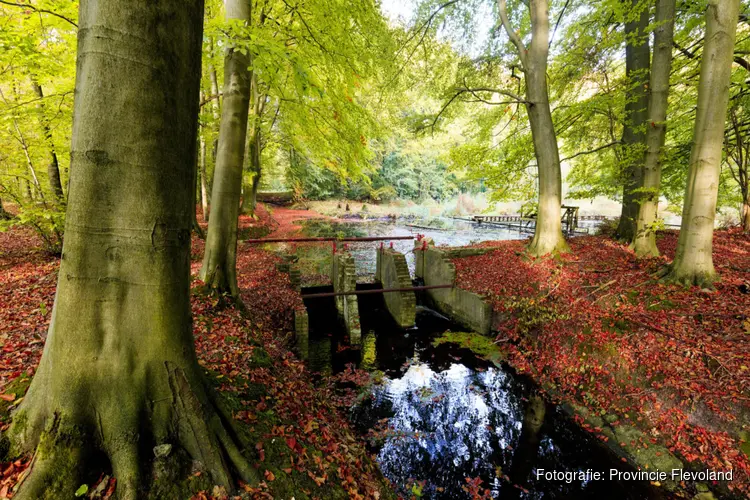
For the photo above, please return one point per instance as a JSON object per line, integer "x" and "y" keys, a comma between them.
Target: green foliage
{"x": 48, "y": 223}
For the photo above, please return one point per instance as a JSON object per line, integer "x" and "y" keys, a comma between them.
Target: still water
{"x": 443, "y": 419}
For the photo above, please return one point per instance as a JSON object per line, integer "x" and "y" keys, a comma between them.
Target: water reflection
{"x": 443, "y": 416}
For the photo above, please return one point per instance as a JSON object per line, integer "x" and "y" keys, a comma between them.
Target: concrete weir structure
{"x": 434, "y": 267}
{"x": 344, "y": 279}
{"x": 392, "y": 272}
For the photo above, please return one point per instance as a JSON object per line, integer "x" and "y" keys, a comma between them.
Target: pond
{"x": 444, "y": 421}
{"x": 447, "y": 232}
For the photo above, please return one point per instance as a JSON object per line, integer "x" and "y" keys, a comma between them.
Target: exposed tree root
{"x": 192, "y": 418}
{"x": 668, "y": 274}
{"x": 542, "y": 245}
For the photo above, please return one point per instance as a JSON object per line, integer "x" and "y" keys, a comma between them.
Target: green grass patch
{"x": 483, "y": 347}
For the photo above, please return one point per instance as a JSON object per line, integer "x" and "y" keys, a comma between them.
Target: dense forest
{"x": 138, "y": 141}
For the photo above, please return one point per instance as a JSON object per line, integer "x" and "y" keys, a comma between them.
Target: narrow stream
{"x": 444, "y": 419}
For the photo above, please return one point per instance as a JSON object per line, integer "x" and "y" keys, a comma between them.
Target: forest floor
{"x": 593, "y": 327}
{"x": 302, "y": 443}
{"x": 597, "y": 329}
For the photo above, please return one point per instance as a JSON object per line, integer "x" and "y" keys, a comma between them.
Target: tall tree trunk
{"x": 548, "y": 237}
{"x": 636, "y": 109}
{"x": 4, "y": 215}
{"x": 53, "y": 167}
{"x": 29, "y": 164}
{"x": 693, "y": 261}
{"x": 644, "y": 239}
{"x": 219, "y": 270}
{"x": 119, "y": 373}
{"x": 196, "y": 193}
{"x": 205, "y": 200}
{"x": 745, "y": 214}
{"x": 254, "y": 145}
{"x": 254, "y": 157}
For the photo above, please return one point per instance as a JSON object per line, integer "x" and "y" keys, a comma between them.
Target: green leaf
{"x": 82, "y": 490}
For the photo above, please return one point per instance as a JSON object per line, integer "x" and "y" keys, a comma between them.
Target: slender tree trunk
{"x": 4, "y": 215}
{"x": 548, "y": 237}
{"x": 254, "y": 146}
{"x": 693, "y": 263}
{"x": 205, "y": 200}
{"x": 254, "y": 157}
{"x": 119, "y": 373}
{"x": 53, "y": 167}
{"x": 215, "y": 103}
{"x": 746, "y": 215}
{"x": 219, "y": 270}
{"x": 636, "y": 109}
{"x": 644, "y": 239}
{"x": 196, "y": 193}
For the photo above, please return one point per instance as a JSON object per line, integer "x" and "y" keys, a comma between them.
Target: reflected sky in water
{"x": 442, "y": 415}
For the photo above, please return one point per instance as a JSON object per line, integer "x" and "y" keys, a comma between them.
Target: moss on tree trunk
{"x": 644, "y": 238}
{"x": 693, "y": 263}
{"x": 119, "y": 374}
{"x": 219, "y": 270}
{"x": 637, "y": 56}
{"x": 548, "y": 237}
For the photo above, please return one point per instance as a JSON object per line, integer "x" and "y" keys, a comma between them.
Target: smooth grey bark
{"x": 637, "y": 57}
{"x": 119, "y": 373}
{"x": 196, "y": 194}
{"x": 548, "y": 237}
{"x": 644, "y": 239}
{"x": 693, "y": 263}
{"x": 53, "y": 167}
{"x": 254, "y": 146}
{"x": 219, "y": 271}
{"x": 29, "y": 163}
{"x": 738, "y": 160}
{"x": 205, "y": 200}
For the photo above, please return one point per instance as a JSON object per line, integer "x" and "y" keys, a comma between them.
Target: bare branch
{"x": 36, "y": 9}
{"x": 501, "y": 5}
{"x": 581, "y": 153}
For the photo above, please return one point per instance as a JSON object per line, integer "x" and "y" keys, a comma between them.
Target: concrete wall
{"x": 434, "y": 266}
{"x": 344, "y": 279}
{"x": 392, "y": 272}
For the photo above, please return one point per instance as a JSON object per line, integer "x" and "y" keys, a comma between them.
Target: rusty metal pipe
{"x": 303, "y": 240}
{"x": 373, "y": 291}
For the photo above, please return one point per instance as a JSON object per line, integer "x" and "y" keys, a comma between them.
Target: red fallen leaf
{"x": 4, "y": 491}
{"x": 291, "y": 442}
{"x": 269, "y": 475}
{"x": 309, "y": 427}
{"x": 110, "y": 489}
{"x": 8, "y": 397}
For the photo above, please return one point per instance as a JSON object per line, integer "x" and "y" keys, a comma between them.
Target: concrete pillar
{"x": 344, "y": 279}
{"x": 392, "y": 272}
{"x": 435, "y": 267}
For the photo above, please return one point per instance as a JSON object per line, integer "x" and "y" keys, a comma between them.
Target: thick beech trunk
{"x": 219, "y": 270}
{"x": 636, "y": 108}
{"x": 548, "y": 237}
{"x": 693, "y": 263}
{"x": 53, "y": 167}
{"x": 119, "y": 373}
{"x": 644, "y": 239}
{"x": 746, "y": 216}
